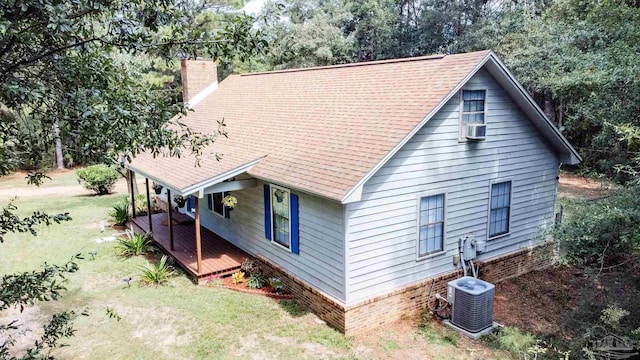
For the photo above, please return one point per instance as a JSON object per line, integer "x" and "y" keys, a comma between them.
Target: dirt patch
{"x": 536, "y": 301}
{"x": 29, "y": 323}
{"x": 162, "y": 328}
{"x": 405, "y": 340}
{"x": 578, "y": 187}
{"x": 562, "y": 304}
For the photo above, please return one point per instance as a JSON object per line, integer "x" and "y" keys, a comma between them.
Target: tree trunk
{"x": 56, "y": 134}
{"x": 549, "y": 107}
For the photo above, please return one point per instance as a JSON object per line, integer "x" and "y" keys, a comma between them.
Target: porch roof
{"x": 213, "y": 168}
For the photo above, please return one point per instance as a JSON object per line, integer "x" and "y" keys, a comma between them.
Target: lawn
{"x": 181, "y": 320}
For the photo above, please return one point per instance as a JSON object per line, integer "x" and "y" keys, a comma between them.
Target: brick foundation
{"x": 410, "y": 300}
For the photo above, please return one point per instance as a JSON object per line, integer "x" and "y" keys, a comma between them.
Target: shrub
{"x": 612, "y": 315}
{"x": 276, "y": 285}
{"x": 251, "y": 267}
{"x": 134, "y": 244}
{"x": 98, "y": 178}
{"x": 514, "y": 340}
{"x": 256, "y": 281}
{"x": 119, "y": 213}
{"x": 156, "y": 274}
{"x": 601, "y": 232}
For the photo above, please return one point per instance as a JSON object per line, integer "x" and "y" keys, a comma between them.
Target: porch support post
{"x": 133, "y": 196}
{"x": 149, "y": 206}
{"x": 170, "y": 212}
{"x": 198, "y": 240}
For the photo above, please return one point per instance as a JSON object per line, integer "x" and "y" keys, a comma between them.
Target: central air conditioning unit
{"x": 471, "y": 302}
{"x": 476, "y": 132}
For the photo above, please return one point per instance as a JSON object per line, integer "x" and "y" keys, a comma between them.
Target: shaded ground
{"x": 578, "y": 187}
{"x": 563, "y": 304}
{"x": 62, "y": 182}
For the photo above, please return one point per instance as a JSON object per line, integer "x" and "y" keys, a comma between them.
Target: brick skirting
{"x": 409, "y": 300}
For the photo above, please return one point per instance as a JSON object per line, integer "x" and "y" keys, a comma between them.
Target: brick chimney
{"x": 197, "y": 75}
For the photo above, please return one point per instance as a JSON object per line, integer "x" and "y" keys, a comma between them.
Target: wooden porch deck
{"x": 219, "y": 257}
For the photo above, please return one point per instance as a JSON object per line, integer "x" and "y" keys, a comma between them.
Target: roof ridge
{"x": 363, "y": 63}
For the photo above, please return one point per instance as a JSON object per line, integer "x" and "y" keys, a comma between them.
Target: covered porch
{"x": 178, "y": 230}
{"x": 218, "y": 257}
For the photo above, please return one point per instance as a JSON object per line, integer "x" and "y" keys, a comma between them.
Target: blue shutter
{"x": 295, "y": 228}
{"x": 226, "y": 209}
{"x": 267, "y": 212}
{"x": 210, "y": 201}
{"x": 190, "y": 203}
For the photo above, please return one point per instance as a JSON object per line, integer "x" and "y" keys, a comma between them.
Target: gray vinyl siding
{"x": 321, "y": 258}
{"x": 382, "y": 227}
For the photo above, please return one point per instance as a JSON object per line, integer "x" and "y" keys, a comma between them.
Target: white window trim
{"x": 224, "y": 208}
{"x": 273, "y": 223}
{"x": 444, "y": 225}
{"x": 461, "y": 110}
{"x": 491, "y": 183}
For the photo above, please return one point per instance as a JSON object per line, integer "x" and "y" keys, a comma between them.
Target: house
{"x": 355, "y": 182}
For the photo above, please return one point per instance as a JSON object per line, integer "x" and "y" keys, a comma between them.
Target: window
{"x": 473, "y": 109}
{"x": 431, "y": 225}
{"x": 217, "y": 206}
{"x": 280, "y": 216}
{"x": 500, "y": 209}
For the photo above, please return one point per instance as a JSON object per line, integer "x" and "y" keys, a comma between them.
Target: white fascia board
{"x": 231, "y": 186}
{"x": 352, "y": 195}
{"x": 201, "y": 186}
{"x": 198, "y": 188}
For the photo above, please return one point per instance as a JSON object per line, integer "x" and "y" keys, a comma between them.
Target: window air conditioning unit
{"x": 476, "y": 132}
{"x": 471, "y": 302}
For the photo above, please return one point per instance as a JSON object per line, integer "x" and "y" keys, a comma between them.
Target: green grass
{"x": 178, "y": 320}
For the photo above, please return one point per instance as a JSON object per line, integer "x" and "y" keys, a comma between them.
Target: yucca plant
{"x": 134, "y": 244}
{"x": 141, "y": 204}
{"x": 237, "y": 277}
{"x": 257, "y": 281}
{"x": 156, "y": 274}
{"x": 119, "y": 213}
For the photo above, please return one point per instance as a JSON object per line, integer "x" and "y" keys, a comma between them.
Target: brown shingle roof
{"x": 320, "y": 130}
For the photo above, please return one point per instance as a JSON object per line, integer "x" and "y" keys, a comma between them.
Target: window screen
{"x": 431, "y": 229}
{"x": 500, "y": 208}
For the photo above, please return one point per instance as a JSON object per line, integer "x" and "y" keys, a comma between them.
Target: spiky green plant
{"x": 119, "y": 213}
{"x": 257, "y": 281}
{"x": 141, "y": 204}
{"x": 134, "y": 244}
{"x": 156, "y": 274}
{"x": 237, "y": 277}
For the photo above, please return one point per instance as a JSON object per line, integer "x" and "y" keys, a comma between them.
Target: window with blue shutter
{"x": 281, "y": 217}
{"x": 210, "y": 202}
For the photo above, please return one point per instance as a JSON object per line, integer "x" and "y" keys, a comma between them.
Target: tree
{"x": 61, "y": 64}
